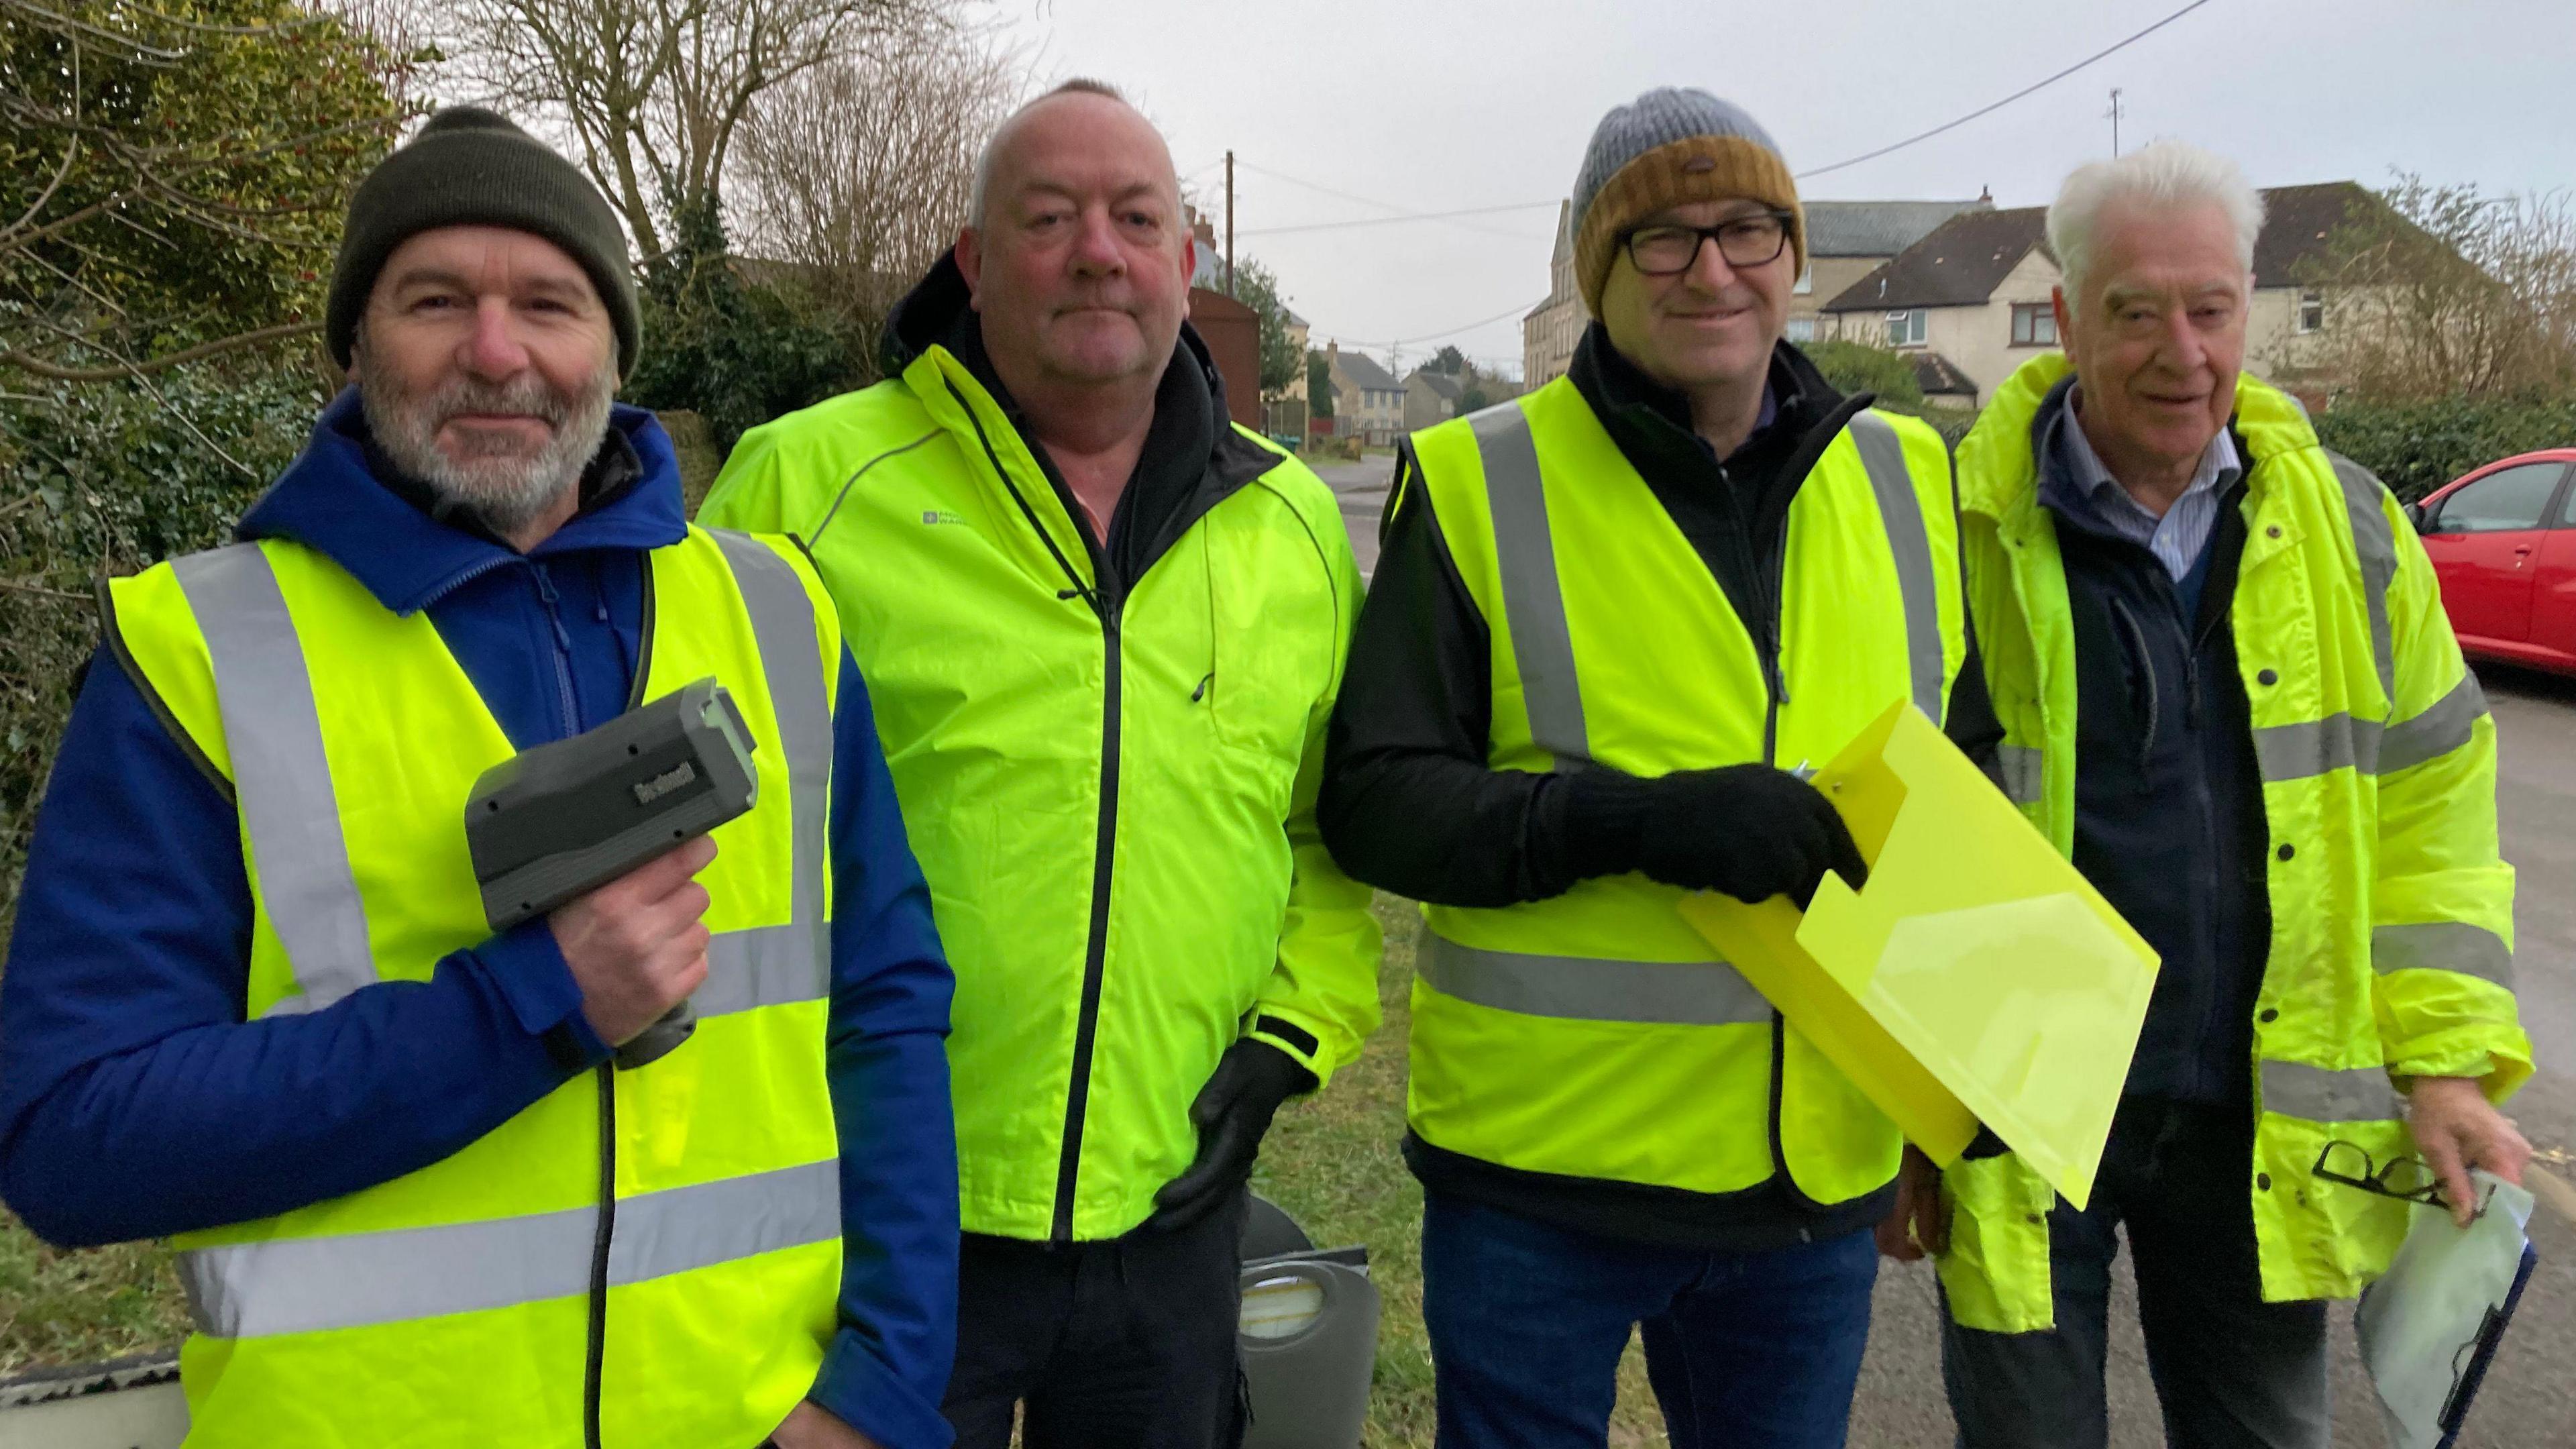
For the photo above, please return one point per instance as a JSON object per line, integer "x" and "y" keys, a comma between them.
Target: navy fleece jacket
{"x": 136, "y": 1102}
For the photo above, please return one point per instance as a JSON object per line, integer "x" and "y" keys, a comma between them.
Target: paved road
{"x": 2530, "y": 1398}
{"x": 1362, "y": 488}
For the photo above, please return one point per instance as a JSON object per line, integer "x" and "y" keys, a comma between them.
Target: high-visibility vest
{"x": 2392, "y": 912}
{"x": 1594, "y": 1035}
{"x": 469, "y": 1303}
{"x": 1112, "y": 799}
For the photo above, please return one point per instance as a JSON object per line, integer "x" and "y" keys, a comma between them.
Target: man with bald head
{"x": 1103, "y": 629}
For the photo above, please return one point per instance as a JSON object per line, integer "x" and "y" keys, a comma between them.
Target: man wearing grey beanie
{"x": 422, "y": 1189}
{"x": 1610, "y": 621}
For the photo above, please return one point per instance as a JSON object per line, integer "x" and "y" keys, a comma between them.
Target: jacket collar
{"x": 340, "y": 498}
{"x": 1643, "y": 414}
{"x": 1998, "y": 463}
{"x": 932, "y": 340}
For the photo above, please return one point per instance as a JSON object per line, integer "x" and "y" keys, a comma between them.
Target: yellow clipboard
{"x": 1976, "y": 977}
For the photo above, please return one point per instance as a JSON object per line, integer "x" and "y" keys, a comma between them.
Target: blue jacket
{"x": 136, "y": 1102}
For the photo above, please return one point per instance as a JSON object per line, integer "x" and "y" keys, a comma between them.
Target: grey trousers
{"x": 2231, "y": 1371}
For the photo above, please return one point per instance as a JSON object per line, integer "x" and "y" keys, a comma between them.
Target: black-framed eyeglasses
{"x": 2406, "y": 1179}
{"x": 1666, "y": 250}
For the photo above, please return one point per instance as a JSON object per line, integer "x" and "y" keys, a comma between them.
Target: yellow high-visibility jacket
{"x": 2392, "y": 913}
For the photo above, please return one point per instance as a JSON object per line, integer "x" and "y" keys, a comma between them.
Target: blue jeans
{"x": 1743, "y": 1349}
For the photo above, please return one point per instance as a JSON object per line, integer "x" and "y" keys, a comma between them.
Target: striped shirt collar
{"x": 2176, "y": 538}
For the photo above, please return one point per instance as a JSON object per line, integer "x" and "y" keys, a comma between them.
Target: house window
{"x": 1806, "y": 280}
{"x": 1906, "y": 329}
{"x": 1802, "y": 329}
{"x": 2034, "y": 324}
{"x": 2312, "y": 310}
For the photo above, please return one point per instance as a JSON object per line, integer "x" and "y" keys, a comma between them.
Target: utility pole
{"x": 1229, "y": 223}
{"x": 2115, "y": 124}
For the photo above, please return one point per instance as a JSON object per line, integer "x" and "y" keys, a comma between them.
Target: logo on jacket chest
{"x": 941, "y": 515}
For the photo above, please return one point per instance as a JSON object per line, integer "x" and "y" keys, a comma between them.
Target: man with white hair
{"x": 254, "y": 1002}
{"x": 1104, "y": 628}
{"x": 2230, "y": 694}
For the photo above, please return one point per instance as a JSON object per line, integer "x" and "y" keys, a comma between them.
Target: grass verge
{"x": 59, "y": 1308}
{"x": 1332, "y": 1162}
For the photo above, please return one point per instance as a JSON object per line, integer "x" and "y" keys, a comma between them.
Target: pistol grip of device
{"x": 656, "y": 1041}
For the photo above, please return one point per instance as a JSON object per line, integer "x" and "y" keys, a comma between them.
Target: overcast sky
{"x": 1436, "y": 105}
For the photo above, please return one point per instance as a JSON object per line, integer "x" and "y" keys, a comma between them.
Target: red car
{"x": 2503, "y": 541}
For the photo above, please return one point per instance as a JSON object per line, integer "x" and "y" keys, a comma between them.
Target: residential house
{"x": 1845, "y": 241}
{"x": 1430, "y": 397}
{"x": 1550, "y": 330}
{"x": 1971, "y": 300}
{"x": 1368, "y": 402}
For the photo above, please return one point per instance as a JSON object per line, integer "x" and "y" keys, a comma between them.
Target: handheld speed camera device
{"x": 563, "y": 819}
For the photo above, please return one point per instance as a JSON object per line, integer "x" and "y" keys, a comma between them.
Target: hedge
{"x": 2417, "y": 447}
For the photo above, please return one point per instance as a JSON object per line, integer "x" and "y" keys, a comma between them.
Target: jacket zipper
{"x": 1095, "y": 955}
{"x": 563, "y": 651}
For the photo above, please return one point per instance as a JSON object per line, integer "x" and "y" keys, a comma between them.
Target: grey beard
{"x": 505, "y": 489}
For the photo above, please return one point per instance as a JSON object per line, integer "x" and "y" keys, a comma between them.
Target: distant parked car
{"x": 2503, "y": 541}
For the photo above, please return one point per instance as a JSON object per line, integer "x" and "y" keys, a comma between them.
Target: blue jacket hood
{"x": 330, "y": 499}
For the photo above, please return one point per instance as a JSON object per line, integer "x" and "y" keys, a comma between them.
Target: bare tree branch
{"x": 38, "y": 367}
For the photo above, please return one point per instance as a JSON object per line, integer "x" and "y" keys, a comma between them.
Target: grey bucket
{"x": 1308, "y": 1336}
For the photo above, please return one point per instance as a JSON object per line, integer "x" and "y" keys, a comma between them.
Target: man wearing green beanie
{"x": 419, "y": 1194}
{"x": 1610, "y": 621}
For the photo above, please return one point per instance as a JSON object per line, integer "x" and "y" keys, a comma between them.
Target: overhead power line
{"x": 1520, "y": 311}
{"x": 1392, "y": 220}
{"x": 1386, "y": 206}
{"x": 2008, "y": 100}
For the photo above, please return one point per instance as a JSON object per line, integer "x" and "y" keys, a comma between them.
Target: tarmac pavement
{"x": 2529, "y": 1401}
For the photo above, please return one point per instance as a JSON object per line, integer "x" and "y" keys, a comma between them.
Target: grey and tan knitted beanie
{"x": 1666, "y": 147}
{"x": 472, "y": 167}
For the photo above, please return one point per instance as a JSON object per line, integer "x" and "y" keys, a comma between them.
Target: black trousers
{"x": 1127, "y": 1343}
{"x": 2231, "y": 1371}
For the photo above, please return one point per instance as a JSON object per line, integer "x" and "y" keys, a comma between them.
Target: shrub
{"x": 1859, "y": 367}
{"x": 2416, "y": 447}
{"x": 735, "y": 352}
{"x": 104, "y": 479}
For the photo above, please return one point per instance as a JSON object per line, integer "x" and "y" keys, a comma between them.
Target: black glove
{"x": 1232, "y": 1112}
{"x": 1748, "y": 830}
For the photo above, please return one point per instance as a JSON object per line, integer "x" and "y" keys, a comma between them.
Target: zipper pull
{"x": 554, "y": 611}
{"x": 1201, "y": 692}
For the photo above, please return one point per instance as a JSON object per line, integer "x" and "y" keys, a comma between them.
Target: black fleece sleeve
{"x": 1409, "y": 803}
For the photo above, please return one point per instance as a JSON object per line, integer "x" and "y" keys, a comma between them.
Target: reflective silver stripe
{"x": 2338, "y": 742}
{"x": 281, "y": 776}
{"x": 1533, "y": 598}
{"x": 2436, "y": 732}
{"x": 2376, "y": 545}
{"x": 2322, "y": 1094}
{"x": 1883, "y": 455}
{"x": 782, "y": 619}
{"x": 2023, "y": 773}
{"x": 2298, "y": 751}
{"x": 2443, "y": 946}
{"x": 1582, "y": 988}
{"x": 764, "y": 966}
{"x": 306, "y": 1285}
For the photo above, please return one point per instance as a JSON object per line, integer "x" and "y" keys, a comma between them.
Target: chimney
{"x": 1986, "y": 194}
